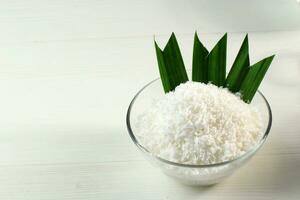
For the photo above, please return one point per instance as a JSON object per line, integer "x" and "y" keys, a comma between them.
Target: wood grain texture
{"x": 63, "y": 100}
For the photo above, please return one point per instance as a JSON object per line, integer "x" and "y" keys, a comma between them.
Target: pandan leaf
{"x": 217, "y": 62}
{"x": 200, "y": 66}
{"x": 162, "y": 69}
{"x": 253, "y": 78}
{"x": 239, "y": 68}
{"x": 171, "y": 66}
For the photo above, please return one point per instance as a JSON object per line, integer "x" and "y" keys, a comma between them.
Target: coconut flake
{"x": 199, "y": 124}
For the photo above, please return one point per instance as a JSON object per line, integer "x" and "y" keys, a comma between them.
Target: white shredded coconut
{"x": 199, "y": 124}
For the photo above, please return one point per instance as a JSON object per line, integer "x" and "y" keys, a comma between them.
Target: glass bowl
{"x": 201, "y": 175}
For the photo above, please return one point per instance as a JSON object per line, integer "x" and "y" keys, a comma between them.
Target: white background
{"x": 68, "y": 70}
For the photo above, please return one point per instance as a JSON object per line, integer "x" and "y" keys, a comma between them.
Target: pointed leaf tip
{"x": 239, "y": 68}
{"x": 254, "y": 77}
{"x": 171, "y": 66}
{"x": 217, "y": 62}
{"x": 200, "y": 66}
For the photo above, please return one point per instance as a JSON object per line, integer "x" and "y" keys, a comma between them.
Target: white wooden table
{"x": 68, "y": 70}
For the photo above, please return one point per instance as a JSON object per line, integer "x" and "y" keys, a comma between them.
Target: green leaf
{"x": 171, "y": 66}
{"x": 253, "y": 78}
{"x": 217, "y": 62}
{"x": 200, "y": 66}
{"x": 162, "y": 69}
{"x": 239, "y": 68}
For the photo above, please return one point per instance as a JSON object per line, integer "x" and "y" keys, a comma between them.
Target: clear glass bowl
{"x": 192, "y": 174}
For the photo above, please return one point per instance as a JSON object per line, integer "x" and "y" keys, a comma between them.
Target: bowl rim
{"x": 145, "y": 150}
